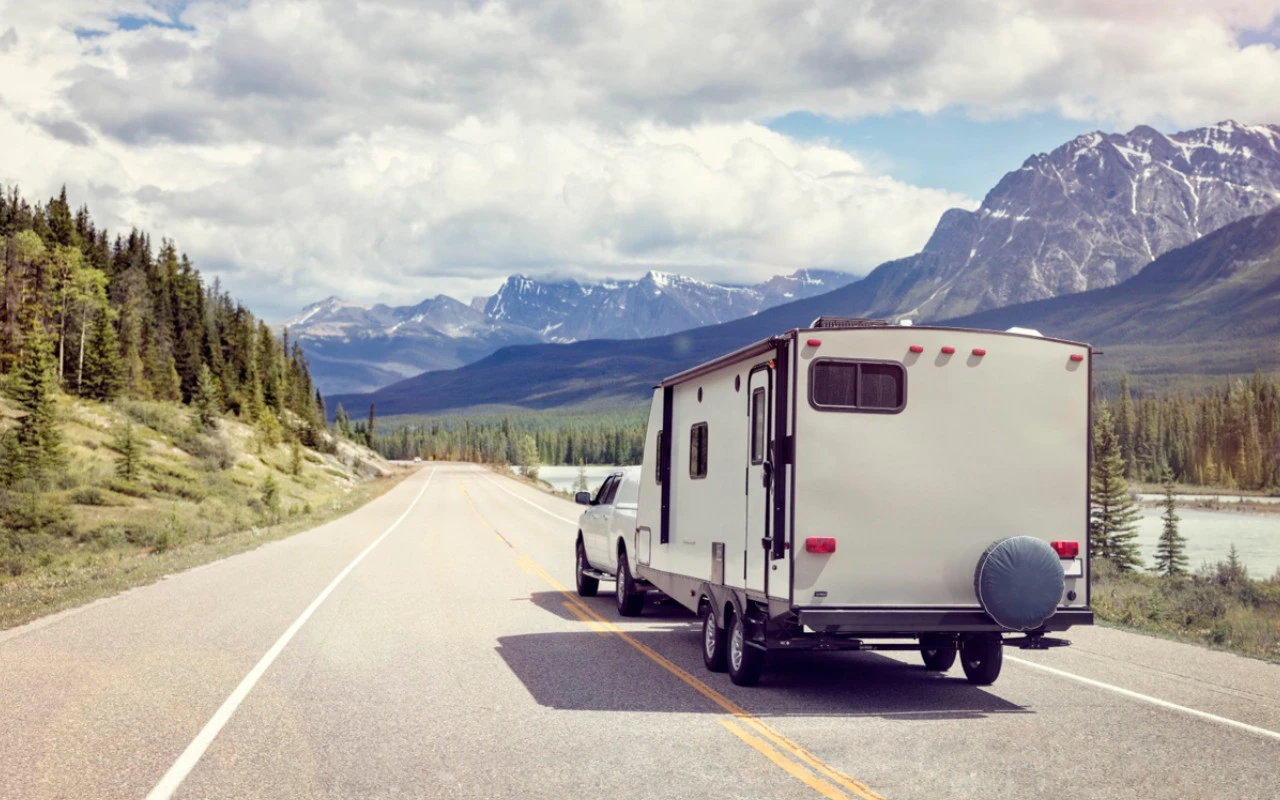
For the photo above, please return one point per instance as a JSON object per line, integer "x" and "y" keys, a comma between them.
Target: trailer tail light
{"x": 1066, "y": 549}
{"x": 948, "y": 350}
{"x": 1077, "y": 357}
{"x": 820, "y": 544}
{"x": 917, "y": 348}
{"x": 814, "y": 342}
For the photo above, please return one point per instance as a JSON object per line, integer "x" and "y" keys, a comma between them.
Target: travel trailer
{"x": 863, "y": 486}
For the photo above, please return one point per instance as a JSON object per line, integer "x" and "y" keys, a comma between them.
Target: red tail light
{"x": 814, "y": 342}
{"x": 1076, "y": 357}
{"x": 1066, "y": 549}
{"x": 820, "y": 544}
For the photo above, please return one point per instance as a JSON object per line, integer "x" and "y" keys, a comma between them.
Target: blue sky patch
{"x": 948, "y": 150}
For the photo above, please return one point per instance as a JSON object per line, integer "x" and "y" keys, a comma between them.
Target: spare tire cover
{"x": 1019, "y": 582}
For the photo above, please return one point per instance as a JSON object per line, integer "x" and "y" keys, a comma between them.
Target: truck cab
{"x": 604, "y": 530}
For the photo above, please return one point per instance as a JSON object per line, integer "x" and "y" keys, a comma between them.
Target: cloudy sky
{"x": 391, "y": 149}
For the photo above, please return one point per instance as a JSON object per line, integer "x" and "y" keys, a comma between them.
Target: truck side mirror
{"x": 582, "y": 498}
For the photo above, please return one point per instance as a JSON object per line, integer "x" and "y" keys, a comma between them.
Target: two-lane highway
{"x": 425, "y": 646}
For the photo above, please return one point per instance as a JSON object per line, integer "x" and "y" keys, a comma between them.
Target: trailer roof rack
{"x": 847, "y": 322}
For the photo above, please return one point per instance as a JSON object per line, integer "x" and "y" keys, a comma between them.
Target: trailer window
{"x": 872, "y": 386}
{"x": 698, "y": 450}
{"x": 759, "y": 411}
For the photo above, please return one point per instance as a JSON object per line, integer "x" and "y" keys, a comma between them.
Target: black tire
{"x": 715, "y": 642}
{"x": 981, "y": 657}
{"x": 630, "y": 602}
{"x": 587, "y": 586}
{"x": 938, "y": 652}
{"x": 745, "y": 662}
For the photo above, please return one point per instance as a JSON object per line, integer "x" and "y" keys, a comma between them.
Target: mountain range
{"x": 1055, "y": 246}
{"x": 353, "y": 348}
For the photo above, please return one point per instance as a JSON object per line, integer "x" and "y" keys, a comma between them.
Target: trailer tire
{"x": 981, "y": 657}
{"x": 715, "y": 645}
{"x": 630, "y": 602}
{"x": 587, "y": 586}
{"x": 745, "y": 662}
{"x": 938, "y": 652}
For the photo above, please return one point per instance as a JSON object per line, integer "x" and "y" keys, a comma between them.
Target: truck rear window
{"x": 872, "y": 386}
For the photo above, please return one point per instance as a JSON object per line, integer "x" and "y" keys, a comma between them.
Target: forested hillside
{"x": 106, "y": 317}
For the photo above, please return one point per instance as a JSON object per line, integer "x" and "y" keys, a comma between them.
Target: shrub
{"x": 89, "y": 496}
{"x": 128, "y": 488}
{"x": 179, "y": 488}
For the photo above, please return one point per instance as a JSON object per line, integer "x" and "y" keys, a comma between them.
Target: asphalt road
{"x": 446, "y": 661}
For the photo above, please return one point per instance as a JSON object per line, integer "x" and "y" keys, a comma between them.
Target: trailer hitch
{"x": 1035, "y": 641}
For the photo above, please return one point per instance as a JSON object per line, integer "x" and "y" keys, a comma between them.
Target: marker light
{"x": 820, "y": 544}
{"x": 917, "y": 348}
{"x": 1077, "y": 357}
{"x": 948, "y": 350}
{"x": 1066, "y": 549}
{"x": 978, "y": 351}
{"x": 814, "y": 342}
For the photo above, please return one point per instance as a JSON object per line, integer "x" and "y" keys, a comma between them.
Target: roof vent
{"x": 847, "y": 322}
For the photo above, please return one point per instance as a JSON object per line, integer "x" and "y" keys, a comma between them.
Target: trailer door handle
{"x": 766, "y": 474}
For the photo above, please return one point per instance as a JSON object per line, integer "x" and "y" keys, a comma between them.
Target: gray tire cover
{"x": 1019, "y": 582}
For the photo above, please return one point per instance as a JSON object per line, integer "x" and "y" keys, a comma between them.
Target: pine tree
{"x": 208, "y": 399}
{"x": 129, "y": 461}
{"x": 39, "y": 443}
{"x": 1171, "y": 552}
{"x": 271, "y": 497}
{"x": 295, "y": 459}
{"x": 342, "y": 422}
{"x": 1113, "y": 530}
{"x": 581, "y": 485}
{"x": 370, "y": 432}
{"x": 103, "y": 369}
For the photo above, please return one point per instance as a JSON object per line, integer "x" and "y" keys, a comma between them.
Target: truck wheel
{"x": 981, "y": 657}
{"x": 587, "y": 586}
{"x": 938, "y": 652}
{"x": 630, "y": 602}
{"x": 745, "y": 662}
{"x": 714, "y": 647}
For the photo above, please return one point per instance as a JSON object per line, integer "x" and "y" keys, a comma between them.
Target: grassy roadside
{"x": 194, "y": 496}
{"x": 1219, "y": 606}
{"x": 48, "y": 591}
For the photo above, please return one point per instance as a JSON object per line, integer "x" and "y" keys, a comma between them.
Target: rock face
{"x": 358, "y": 349}
{"x": 1086, "y": 216}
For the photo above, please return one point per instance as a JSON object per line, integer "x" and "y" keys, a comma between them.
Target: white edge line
{"x": 530, "y": 502}
{"x": 196, "y": 750}
{"x": 1152, "y": 700}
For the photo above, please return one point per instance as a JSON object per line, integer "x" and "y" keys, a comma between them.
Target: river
{"x": 1209, "y": 534}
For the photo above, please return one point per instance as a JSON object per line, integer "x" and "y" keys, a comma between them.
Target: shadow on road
{"x": 591, "y": 671}
{"x": 656, "y": 607}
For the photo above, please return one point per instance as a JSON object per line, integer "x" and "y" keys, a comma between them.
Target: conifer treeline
{"x": 1228, "y": 437}
{"x": 599, "y": 438}
{"x": 118, "y": 318}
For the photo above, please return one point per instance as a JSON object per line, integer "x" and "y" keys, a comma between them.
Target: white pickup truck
{"x": 604, "y": 531}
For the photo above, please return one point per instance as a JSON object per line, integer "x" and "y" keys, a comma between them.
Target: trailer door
{"x": 756, "y": 542}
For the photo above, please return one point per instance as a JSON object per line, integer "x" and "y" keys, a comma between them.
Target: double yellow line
{"x": 784, "y": 753}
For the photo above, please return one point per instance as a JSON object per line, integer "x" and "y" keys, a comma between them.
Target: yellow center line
{"x": 740, "y": 714}
{"x": 790, "y": 767}
{"x": 591, "y": 623}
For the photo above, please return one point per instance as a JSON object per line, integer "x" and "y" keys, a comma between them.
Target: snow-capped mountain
{"x": 657, "y": 304}
{"x": 1087, "y": 215}
{"x": 353, "y": 348}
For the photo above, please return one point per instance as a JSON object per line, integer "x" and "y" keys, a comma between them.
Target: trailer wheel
{"x": 981, "y": 657}
{"x": 745, "y": 662}
{"x": 587, "y": 586}
{"x": 630, "y": 602}
{"x": 938, "y": 652}
{"x": 715, "y": 649}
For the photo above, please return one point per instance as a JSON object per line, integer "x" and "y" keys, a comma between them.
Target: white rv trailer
{"x": 847, "y": 482}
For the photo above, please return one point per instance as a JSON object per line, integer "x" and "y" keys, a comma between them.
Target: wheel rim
{"x": 735, "y": 646}
{"x": 709, "y": 635}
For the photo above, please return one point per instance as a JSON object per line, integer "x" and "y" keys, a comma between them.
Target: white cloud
{"x": 384, "y": 150}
